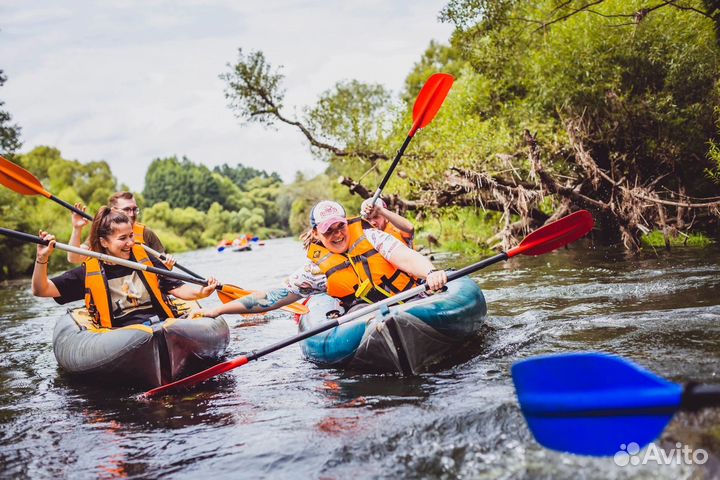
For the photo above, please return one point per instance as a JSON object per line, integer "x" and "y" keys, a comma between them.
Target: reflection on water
{"x": 282, "y": 417}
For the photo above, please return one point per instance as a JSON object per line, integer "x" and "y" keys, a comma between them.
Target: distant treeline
{"x": 187, "y": 204}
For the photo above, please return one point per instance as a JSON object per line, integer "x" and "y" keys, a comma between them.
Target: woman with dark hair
{"x": 114, "y": 294}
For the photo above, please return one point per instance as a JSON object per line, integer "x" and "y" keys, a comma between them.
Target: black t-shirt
{"x": 129, "y": 297}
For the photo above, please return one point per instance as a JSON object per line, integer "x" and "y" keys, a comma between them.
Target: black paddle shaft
{"x": 395, "y": 162}
{"x": 696, "y": 397}
{"x": 71, "y": 207}
{"x": 351, "y": 316}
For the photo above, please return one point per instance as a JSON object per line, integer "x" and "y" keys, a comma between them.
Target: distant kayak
{"x": 143, "y": 355}
{"x": 406, "y": 338}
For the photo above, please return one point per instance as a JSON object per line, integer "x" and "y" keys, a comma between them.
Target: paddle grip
{"x": 697, "y": 397}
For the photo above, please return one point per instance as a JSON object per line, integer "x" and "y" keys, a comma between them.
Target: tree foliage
{"x": 247, "y": 192}
{"x": 9, "y": 132}
{"x": 560, "y": 104}
{"x": 92, "y": 183}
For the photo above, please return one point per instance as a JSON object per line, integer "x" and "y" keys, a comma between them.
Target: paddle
{"x": 426, "y": 106}
{"x": 226, "y": 293}
{"x": 25, "y": 183}
{"x": 592, "y": 403}
{"x": 545, "y": 239}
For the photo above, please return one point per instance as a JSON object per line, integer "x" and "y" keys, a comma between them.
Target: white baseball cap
{"x": 326, "y": 214}
{"x": 367, "y": 201}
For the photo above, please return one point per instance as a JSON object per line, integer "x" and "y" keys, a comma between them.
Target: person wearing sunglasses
{"x": 123, "y": 202}
{"x": 348, "y": 259}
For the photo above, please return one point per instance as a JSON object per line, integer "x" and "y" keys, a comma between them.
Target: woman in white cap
{"x": 348, "y": 259}
{"x": 388, "y": 221}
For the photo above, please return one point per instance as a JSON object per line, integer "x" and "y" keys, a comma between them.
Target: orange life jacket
{"x": 404, "y": 237}
{"x": 97, "y": 293}
{"x": 139, "y": 233}
{"x": 361, "y": 272}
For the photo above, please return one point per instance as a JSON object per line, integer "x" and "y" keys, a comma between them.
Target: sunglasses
{"x": 134, "y": 210}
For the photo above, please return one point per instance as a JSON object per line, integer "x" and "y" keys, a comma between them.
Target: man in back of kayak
{"x": 347, "y": 259}
{"x": 120, "y": 202}
{"x": 388, "y": 221}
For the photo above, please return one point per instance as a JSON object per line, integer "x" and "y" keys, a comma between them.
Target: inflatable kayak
{"x": 147, "y": 355}
{"x": 405, "y": 338}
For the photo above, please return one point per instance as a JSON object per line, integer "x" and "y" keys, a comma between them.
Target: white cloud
{"x": 127, "y": 82}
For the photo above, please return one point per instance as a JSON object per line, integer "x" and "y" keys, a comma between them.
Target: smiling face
{"x": 335, "y": 238}
{"x": 128, "y": 206}
{"x": 120, "y": 242}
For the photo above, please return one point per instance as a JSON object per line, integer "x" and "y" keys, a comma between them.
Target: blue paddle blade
{"x": 592, "y": 403}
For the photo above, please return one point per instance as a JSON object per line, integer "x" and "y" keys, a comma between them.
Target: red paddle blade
{"x": 198, "y": 377}
{"x": 430, "y": 99}
{"x": 555, "y": 235}
{"x": 20, "y": 180}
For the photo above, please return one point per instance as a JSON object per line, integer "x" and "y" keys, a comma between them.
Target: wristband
{"x": 431, "y": 271}
{"x": 42, "y": 263}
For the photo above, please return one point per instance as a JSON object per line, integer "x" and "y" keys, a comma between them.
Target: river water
{"x": 282, "y": 417}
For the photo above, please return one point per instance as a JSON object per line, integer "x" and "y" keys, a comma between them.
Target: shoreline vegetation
{"x": 611, "y": 106}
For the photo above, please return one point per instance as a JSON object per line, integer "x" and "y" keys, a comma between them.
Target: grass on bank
{"x": 655, "y": 239}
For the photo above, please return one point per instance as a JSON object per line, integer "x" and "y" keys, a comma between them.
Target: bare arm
{"x": 257, "y": 302}
{"x": 78, "y": 223}
{"x": 42, "y": 286}
{"x": 402, "y": 223}
{"x": 419, "y": 266}
{"x": 410, "y": 261}
{"x": 188, "y": 292}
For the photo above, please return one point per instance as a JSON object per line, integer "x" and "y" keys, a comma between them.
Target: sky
{"x": 130, "y": 81}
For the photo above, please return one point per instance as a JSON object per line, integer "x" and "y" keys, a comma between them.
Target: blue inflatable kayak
{"x": 405, "y": 338}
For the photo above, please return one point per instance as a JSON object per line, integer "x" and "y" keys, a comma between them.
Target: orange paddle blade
{"x": 232, "y": 292}
{"x": 555, "y": 235}
{"x": 20, "y": 180}
{"x": 430, "y": 99}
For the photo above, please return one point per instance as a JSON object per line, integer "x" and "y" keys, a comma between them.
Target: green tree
{"x": 9, "y": 132}
{"x": 69, "y": 180}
